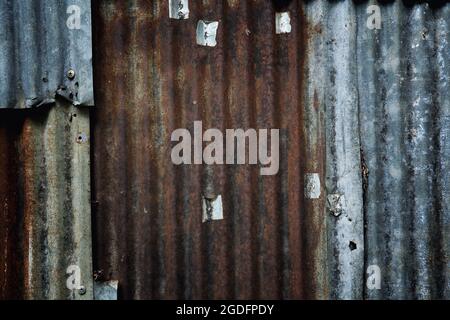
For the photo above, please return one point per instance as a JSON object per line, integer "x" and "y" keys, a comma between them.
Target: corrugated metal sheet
{"x": 404, "y": 114}
{"x": 151, "y": 78}
{"x": 41, "y": 41}
{"x": 366, "y": 112}
{"x": 331, "y": 69}
{"x": 44, "y": 154}
{"x": 387, "y": 106}
{"x": 44, "y": 202}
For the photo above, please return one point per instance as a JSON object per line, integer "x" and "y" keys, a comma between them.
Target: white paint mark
{"x": 212, "y": 209}
{"x": 312, "y": 186}
{"x": 179, "y": 9}
{"x": 207, "y": 32}
{"x": 282, "y": 23}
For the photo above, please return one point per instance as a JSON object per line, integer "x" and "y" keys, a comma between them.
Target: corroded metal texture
{"x": 363, "y": 184}
{"x": 44, "y": 202}
{"x": 41, "y": 41}
{"x": 405, "y": 130}
{"x": 151, "y": 78}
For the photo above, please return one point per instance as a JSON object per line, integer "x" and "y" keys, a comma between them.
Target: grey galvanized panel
{"x": 383, "y": 95}
{"x": 40, "y": 42}
{"x": 45, "y": 203}
{"x": 343, "y": 152}
{"x": 387, "y": 150}
{"x": 405, "y": 123}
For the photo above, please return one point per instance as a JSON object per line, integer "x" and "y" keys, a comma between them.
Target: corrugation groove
{"x": 151, "y": 78}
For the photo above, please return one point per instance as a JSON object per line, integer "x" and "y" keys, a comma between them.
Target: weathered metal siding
{"x": 44, "y": 202}
{"x": 45, "y": 224}
{"x": 367, "y": 110}
{"x": 387, "y": 150}
{"x": 405, "y": 131}
{"x": 151, "y": 78}
{"x": 38, "y": 49}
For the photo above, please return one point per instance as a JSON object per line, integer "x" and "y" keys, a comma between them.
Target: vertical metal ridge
{"x": 312, "y": 54}
{"x": 343, "y": 152}
{"x": 382, "y": 145}
{"x": 420, "y": 132}
{"x": 442, "y": 40}
{"x": 10, "y": 258}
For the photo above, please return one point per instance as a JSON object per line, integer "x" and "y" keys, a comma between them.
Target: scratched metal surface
{"x": 37, "y": 49}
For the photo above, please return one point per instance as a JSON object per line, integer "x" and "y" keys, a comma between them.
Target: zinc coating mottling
{"x": 152, "y": 78}
{"x": 40, "y": 43}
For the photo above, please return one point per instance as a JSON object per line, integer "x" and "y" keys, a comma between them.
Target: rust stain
{"x": 152, "y": 78}
{"x": 11, "y": 256}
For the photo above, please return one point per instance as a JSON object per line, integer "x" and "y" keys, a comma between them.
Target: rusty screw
{"x": 82, "y": 291}
{"x": 71, "y": 74}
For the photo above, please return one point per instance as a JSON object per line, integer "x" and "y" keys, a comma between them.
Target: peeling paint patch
{"x": 179, "y": 9}
{"x": 312, "y": 186}
{"x": 207, "y": 32}
{"x": 282, "y": 23}
{"x": 335, "y": 204}
{"x": 212, "y": 209}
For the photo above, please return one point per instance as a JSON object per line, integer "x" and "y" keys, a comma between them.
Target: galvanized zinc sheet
{"x": 45, "y": 234}
{"x": 387, "y": 150}
{"x": 45, "y": 50}
{"x": 405, "y": 130}
{"x": 152, "y": 78}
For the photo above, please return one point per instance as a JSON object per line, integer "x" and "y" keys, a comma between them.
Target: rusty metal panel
{"x": 152, "y": 78}
{"x": 45, "y": 203}
{"x": 45, "y": 51}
